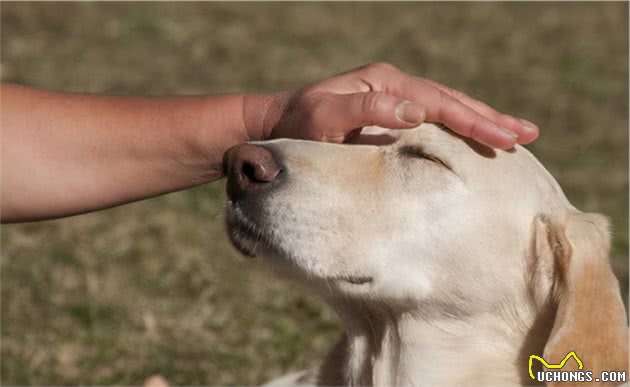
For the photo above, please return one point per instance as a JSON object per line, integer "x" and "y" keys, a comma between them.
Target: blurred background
{"x": 154, "y": 287}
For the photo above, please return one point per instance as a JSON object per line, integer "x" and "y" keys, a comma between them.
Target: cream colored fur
{"x": 448, "y": 263}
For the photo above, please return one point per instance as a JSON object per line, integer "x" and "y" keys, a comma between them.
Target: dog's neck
{"x": 383, "y": 347}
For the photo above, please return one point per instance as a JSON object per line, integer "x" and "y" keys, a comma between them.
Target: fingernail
{"x": 529, "y": 126}
{"x": 410, "y": 113}
{"x": 507, "y": 134}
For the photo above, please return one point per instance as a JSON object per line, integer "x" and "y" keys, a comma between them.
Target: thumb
{"x": 351, "y": 111}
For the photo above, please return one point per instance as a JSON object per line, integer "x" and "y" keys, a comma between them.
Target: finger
{"x": 526, "y": 130}
{"x": 469, "y": 123}
{"x": 441, "y": 107}
{"x": 341, "y": 113}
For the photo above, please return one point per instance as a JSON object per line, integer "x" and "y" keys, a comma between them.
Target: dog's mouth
{"x": 249, "y": 237}
{"x": 353, "y": 279}
{"x": 244, "y": 234}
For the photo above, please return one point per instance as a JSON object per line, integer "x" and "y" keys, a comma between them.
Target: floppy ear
{"x": 571, "y": 274}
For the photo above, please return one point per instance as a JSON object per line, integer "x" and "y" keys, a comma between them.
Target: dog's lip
{"x": 353, "y": 279}
{"x": 244, "y": 233}
{"x": 243, "y": 242}
{"x": 249, "y": 235}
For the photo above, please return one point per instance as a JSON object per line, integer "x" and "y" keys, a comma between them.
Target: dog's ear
{"x": 571, "y": 277}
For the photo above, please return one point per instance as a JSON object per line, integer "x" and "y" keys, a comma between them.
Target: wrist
{"x": 261, "y": 113}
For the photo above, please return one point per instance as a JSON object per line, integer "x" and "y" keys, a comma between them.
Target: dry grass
{"x": 116, "y": 296}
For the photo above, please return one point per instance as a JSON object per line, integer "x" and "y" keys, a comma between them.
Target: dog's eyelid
{"x": 418, "y": 152}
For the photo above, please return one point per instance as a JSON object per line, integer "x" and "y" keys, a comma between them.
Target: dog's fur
{"x": 448, "y": 262}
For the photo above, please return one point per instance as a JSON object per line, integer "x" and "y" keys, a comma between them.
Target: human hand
{"x": 336, "y": 108}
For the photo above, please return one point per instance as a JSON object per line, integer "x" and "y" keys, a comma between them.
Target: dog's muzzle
{"x": 252, "y": 171}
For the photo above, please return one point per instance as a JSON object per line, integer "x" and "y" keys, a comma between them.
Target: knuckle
{"x": 370, "y": 102}
{"x": 471, "y": 130}
{"x": 382, "y": 67}
{"x": 441, "y": 108}
{"x": 310, "y": 111}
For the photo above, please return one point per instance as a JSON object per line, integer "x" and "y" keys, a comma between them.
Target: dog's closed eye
{"x": 416, "y": 151}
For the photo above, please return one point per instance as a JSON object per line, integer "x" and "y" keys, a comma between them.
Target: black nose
{"x": 249, "y": 169}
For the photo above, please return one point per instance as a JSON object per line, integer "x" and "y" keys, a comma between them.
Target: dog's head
{"x": 405, "y": 220}
{"x": 417, "y": 219}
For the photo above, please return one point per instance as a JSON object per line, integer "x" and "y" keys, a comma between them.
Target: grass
{"x": 154, "y": 287}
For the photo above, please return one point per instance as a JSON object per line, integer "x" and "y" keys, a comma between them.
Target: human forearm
{"x": 70, "y": 153}
{"x": 64, "y": 154}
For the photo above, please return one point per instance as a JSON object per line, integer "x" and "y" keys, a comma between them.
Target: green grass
{"x": 154, "y": 287}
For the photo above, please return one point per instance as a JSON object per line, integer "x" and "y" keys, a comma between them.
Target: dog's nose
{"x": 249, "y": 169}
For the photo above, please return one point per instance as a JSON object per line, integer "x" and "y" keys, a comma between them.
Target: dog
{"x": 449, "y": 263}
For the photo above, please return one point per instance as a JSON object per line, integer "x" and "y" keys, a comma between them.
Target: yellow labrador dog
{"x": 449, "y": 263}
